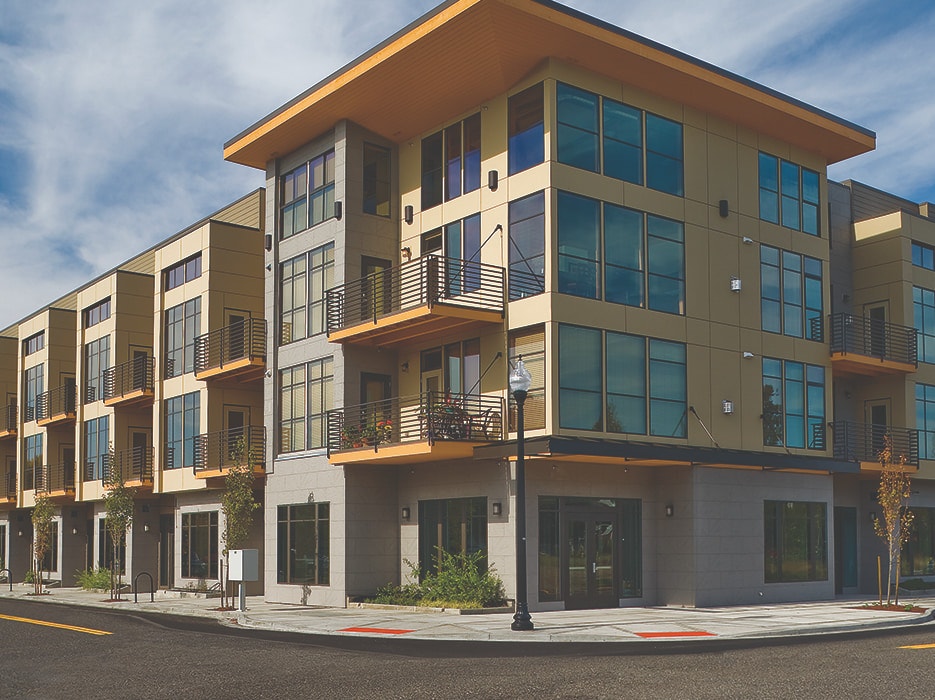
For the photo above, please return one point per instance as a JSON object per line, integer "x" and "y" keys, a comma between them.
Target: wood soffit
{"x": 468, "y": 51}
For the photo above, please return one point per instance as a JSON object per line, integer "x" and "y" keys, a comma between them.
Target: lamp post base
{"x": 521, "y": 620}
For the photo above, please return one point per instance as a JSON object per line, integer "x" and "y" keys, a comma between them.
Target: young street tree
{"x": 896, "y": 525}
{"x": 42, "y": 515}
{"x": 237, "y": 504}
{"x": 118, "y": 507}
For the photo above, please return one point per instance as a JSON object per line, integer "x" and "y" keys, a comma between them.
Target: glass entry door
{"x": 590, "y": 553}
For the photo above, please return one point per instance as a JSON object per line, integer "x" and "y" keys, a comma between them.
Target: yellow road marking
{"x": 86, "y": 630}
{"x": 919, "y": 646}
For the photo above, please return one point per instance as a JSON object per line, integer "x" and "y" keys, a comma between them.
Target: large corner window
{"x": 529, "y": 343}
{"x": 527, "y": 246}
{"x": 925, "y": 420}
{"x": 200, "y": 545}
{"x": 307, "y": 195}
{"x": 620, "y": 255}
{"x": 918, "y": 556}
{"x": 183, "y": 421}
{"x": 793, "y": 404}
{"x": 601, "y": 135}
{"x": 795, "y": 541}
{"x": 33, "y": 386}
{"x": 451, "y": 162}
{"x": 526, "y": 129}
{"x": 453, "y": 525}
{"x": 643, "y": 391}
{"x": 923, "y": 319}
{"x": 32, "y": 461}
{"x": 306, "y": 394}
{"x": 302, "y": 295}
{"x": 183, "y": 325}
{"x": 303, "y": 546}
{"x": 376, "y": 180}
{"x": 96, "y": 360}
{"x": 790, "y": 293}
{"x": 789, "y": 194}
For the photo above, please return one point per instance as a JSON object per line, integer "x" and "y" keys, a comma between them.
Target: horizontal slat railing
{"x": 227, "y": 448}
{"x": 8, "y": 418}
{"x": 56, "y": 478}
{"x": 8, "y": 486}
{"x": 135, "y": 464}
{"x": 862, "y": 442}
{"x": 130, "y": 377}
{"x": 430, "y": 416}
{"x": 429, "y": 280}
{"x": 237, "y": 341}
{"x": 871, "y": 337}
{"x": 56, "y": 402}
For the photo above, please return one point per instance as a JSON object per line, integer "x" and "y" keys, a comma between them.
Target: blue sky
{"x": 113, "y": 114}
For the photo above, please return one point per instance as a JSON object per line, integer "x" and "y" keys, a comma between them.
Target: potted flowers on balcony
{"x": 352, "y": 436}
{"x": 366, "y": 434}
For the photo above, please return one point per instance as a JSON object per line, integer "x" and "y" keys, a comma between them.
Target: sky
{"x": 113, "y": 114}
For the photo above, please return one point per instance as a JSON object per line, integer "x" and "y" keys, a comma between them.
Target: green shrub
{"x": 30, "y": 577}
{"x": 391, "y": 594}
{"x": 91, "y": 579}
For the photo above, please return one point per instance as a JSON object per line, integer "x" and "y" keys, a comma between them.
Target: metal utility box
{"x": 244, "y": 565}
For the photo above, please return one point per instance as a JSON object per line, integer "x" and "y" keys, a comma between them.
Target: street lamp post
{"x": 520, "y": 380}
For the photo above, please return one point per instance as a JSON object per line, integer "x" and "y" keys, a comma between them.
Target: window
{"x": 594, "y": 129}
{"x": 923, "y": 255}
{"x": 376, "y": 176}
{"x": 33, "y": 378}
{"x": 455, "y": 525}
{"x": 793, "y": 404}
{"x": 790, "y": 293}
{"x": 530, "y": 343}
{"x": 644, "y": 386}
{"x": 34, "y": 343}
{"x": 918, "y": 556}
{"x": 789, "y": 194}
{"x": 96, "y": 360}
{"x": 925, "y": 420}
{"x": 106, "y": 548}
{"x": 183, "y": 420}
{"x": 462, "y": 248}
{"x": 451, "y": 162}
{"x": 302, "y": 544}
{"x": 307, "y": 195}
{"x": 32, "y": 461}
{"x": 96, "y": 448}
{"x": 526, "y": 129}
{"x": 200, "y": 545}
{"x": 923, "y": 318}
{"x": 527, "y": 246}
{"x": 50, "y": 562}
{"x": 97, "y": 313}
{"x": 621, "y": 255}
{"x": 183, "y": 324}
{"x": 795, "y": 541}
{"x": 304, "y": 312}
{"x": 306, "y": 394}
{"x": 185, "y": 271}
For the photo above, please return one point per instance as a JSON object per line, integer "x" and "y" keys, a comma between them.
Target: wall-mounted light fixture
{"x": 145, "y": 527}
{"x": 873, "y": 517}
{"x": 338, "y": 210}
{"x": 406, "y": 513}
{"x": 404, "y": 367}
{"x": 497, "y": 509}
{"x": 74, "y": 531}
{"x": 408, "y": 214}
{"x": 493, "y": 180}
{"x": 735, "y": 284}
{"x": 723, "y": 209}
{"x": 269, "y": 242}
{"x": 670, "y": 510}
{"x": 405, "y": 253}
{"x": 727, "y": 406}
{"x": 19, "y": 533}
{"x": 747, "y": 240}
{"x": 748, "y": 355}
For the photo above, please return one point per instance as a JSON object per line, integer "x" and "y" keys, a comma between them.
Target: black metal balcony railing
{"x": 60, "y": 401}
{"x": 131, "y": 377}
{"x": 56, "y": 478}
{"x": 242, "y": 340}
{"x": 430, "y": 416}
{"x": 869, "y": 337}
{"x": 8, "y": 486}
{"x": 95, "y": 468}
{"x": 863, "y": 442}
{"x": 134, "y": 464}
{"x": 227, "y": 448}
{"x": 429, "y": 280}
{"x": 8, "y": 419}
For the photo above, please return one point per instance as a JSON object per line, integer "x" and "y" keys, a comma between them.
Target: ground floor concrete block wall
{"x": 673, "y": 562}
{"x": 373, "y": 522}
{"x": 306, "y": 479}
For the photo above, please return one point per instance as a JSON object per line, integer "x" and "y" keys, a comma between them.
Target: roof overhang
{"x": 465, "y": 52}
{"x": 626, "y": 452}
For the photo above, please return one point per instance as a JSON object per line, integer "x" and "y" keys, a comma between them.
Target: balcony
{"x": 865, "y": 346}
{"x": 426, "y": 297}
{"x": 130, "y": 384}
{"x": 57, "y": 406}
{"x": 236, "y": 352}
{"x": 862, "y": 442}
{"x": 56, "y": 481}
{"x": 135, "y": 466}
{"x": 216, "y": 453}
{"x": 8, "y": 421}
{"x": 8, "y": 493}
{"x": 423, "y": 428}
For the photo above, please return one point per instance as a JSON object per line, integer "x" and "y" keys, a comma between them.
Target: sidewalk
{"x": 632, "y": 625}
